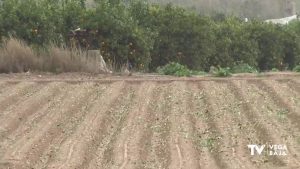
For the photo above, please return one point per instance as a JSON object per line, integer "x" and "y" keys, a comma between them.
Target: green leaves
{"x": 296, "y": 68}
{"x": 175, "y": 69}
{"x": 222, "y": 72}
{"x": 243, "y": 68}
{"x": 149, "y": 36}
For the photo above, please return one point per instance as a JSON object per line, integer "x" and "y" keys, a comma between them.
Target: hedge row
{"x": 150, "y": 35}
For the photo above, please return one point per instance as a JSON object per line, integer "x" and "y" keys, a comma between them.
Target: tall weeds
{"x": 17, "y": 56}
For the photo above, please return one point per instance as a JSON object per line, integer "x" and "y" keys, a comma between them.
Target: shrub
{"x": 174, "y": 69}
{"x": 296, "y": 68}
{"x": 222, "y": 72}
{"x": 275, "y": 70}
{"x": 201, "y": 73}
{"x": 150, "y": 35}
{"x": 45, "y": 21}
{"x": 243, "y": 68}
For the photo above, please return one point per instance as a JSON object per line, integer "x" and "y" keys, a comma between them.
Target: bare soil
{"x": 148, "y": 121}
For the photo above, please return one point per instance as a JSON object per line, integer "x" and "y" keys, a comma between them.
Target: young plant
{"x": 222, "y": 72}
{"x": 175, "y": 69}
{"x": 275, "y": 70}
{"x": 243, "y": 68}
{"x": 297, "y": 68}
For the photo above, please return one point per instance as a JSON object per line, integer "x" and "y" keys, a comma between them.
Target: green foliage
{"x": 120, "y": 36}
{"x": 174, "y": 69}
{"x": 296, "y": 68}
{"x": 234, "y": 44}
{"x": 243, "y": 68}
{"x": 222, "y": 72}
{"x": 182, "y": 37}
{"x": 274, "y": 70}
{"x": 198, "y": 73}
{"x": 242, "y": 8}
{"x": 42, "y": 22}
{"x": 282, "y": 114}
{"x": 208, "y": 143}
{"x": 278, "y": 45}
{"x": 39, "y": 21}
{"x": 149, "y": 36}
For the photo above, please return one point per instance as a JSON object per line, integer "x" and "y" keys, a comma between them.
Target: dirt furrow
{"x": 30, "y": 147}
{"x": 278, "y": 122}
{"x": 160, "y": 154}
{"x": 248, "y": 123}
{"x": 2, "y": 86}
{"x": 19, "y": 114}
{"x": 149, "y": 123}
{"x": 258, "y": 131}
{"x": 281, "y": 122}
{"x": 146, "y": 151}
{"x": 231, "y": 147}
{"x": 148, "y": 158}
{"x": 296, "y": 81}
{"x": 106, "y": 157}
{"x": 122, "y": 153}
{"x": 292, "y": 84}
{"x": 78, "y": 149}
{"x": 199, "y": 127}
{"x": 118, "y": 115}
{"x": 261, "y": 120}
{"x": 291, "y": 113}
{"x": 290, "y": 98}
{"x": 217, "y": 141}
{"x": 183, "y": 154}
{"x": 135, "y": 141}
{"x": 232, "y": 131}
{"x": 60, "y": 132}
{"x": 33, "y": 120}
{"x": 175, "y": 144}
{"x": 12, "y": 96}
{"x": 6, "y": 88}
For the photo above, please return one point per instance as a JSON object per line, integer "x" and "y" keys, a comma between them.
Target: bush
{"x": 149, "y": 36}
{"x": 174, "y": 69}
{"x": 201, "y": 73}
{"x": 243, "y": 68}
{"x": 275, "y": 70}
{"x": 296, "y": 68}
{"x": 222, "y": 72}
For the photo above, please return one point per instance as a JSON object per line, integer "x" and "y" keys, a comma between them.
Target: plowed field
{"x": 80, "y": 122}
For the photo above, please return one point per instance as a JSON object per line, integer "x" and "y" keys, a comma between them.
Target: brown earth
{"x": 148, "y": 121}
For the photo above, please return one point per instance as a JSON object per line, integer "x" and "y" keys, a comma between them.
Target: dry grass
{"x": 17, "y": 56}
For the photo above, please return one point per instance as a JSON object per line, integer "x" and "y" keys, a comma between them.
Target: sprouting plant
{"x": 174, "y": 68}
{"x": 208, "y": 143}
{"x": 281, "y": 114}
{"x": 222, "y": 72}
